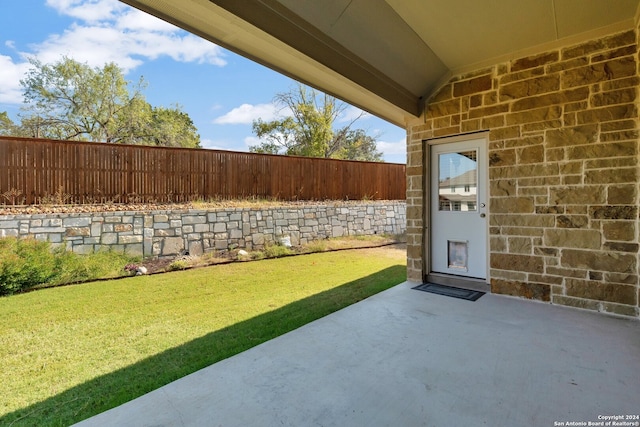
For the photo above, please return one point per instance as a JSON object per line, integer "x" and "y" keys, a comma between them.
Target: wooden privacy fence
{"x": 46, "y": 171}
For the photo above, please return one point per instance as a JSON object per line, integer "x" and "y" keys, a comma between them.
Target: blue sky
{"x": 221, "y": 91}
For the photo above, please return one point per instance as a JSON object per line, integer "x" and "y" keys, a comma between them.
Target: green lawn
{"x": 71, "y": 352}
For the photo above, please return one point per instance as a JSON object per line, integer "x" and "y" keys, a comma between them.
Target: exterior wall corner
{"x": 564, "y": 172}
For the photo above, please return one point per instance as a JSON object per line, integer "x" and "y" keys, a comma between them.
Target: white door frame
{"x": 428, "y": 275}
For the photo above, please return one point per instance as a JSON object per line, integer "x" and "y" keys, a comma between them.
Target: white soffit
{"x": 470, "y": 33}
{"x": 387, "y": 56}
{"x": 374, "y": 32}
{"x": 207, "y": 20}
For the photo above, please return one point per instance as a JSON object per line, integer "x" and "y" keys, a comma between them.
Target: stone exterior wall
{"x": 563, "y": 170}
{"x": 172, "y": 232}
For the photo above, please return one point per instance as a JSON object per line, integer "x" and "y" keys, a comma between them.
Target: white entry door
{"x": 458, "y": 208}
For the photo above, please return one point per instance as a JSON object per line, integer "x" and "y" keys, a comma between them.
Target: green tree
{"x": 7, "y": 127}
{"x": 29, "y": 126}
{"x": 173, "y": 128}
{"x": 309, "y": 129}
{"x": 359, "y": 146}
{"x": 70, "y": 100}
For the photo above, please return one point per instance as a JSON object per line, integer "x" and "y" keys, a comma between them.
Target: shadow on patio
{"x": 408, "y": 358}
{"x": 112, "y": 389}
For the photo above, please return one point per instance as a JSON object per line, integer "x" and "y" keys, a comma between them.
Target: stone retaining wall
{"x": 172, "y": 232}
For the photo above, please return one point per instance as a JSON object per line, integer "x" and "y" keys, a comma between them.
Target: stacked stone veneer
{"x": 172, "y": 232}
{"x": 563, "y": 168}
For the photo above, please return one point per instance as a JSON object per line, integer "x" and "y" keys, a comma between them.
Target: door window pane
{"x": 458, "y": 181}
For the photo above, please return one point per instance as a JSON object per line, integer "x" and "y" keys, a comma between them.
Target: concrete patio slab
{"x": 411, "y": 358}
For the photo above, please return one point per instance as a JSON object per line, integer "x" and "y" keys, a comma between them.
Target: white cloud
{"x": 251, "y": 141}
{"x": 106, "y": 31}
{"x": 10, "y": 76}
{"x": 222, "y": 145}
{"x": 87, "y": 10}
{"x": 93, "y": 45}
{"x": 393, "y": 148}
{"x": 134, "y": 19}
{"x": 109, "y": 31}
{"x": 246, "y": 114}
{"x": 351, "y": 113}
{"x": 212, "y": 145}
{"x": 185, "y": 48}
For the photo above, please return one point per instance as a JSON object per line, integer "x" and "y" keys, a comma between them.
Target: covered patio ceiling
{"x": 389, "y": 56}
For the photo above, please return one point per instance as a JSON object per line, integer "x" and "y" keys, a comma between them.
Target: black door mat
{"x": 449, "y": 291}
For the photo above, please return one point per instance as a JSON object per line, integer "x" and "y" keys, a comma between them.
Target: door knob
{"x": 482, "y": 215}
